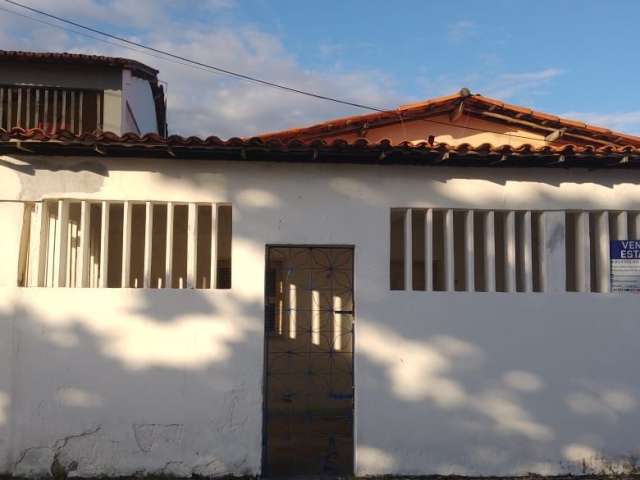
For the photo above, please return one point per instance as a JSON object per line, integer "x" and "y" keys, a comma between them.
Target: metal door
{"x": 308, "y": 410}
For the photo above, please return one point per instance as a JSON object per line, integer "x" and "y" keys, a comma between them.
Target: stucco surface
{"x": 123, "y": 381}
{"x": 118, "y": 382}
{"x": 497, "y": 384}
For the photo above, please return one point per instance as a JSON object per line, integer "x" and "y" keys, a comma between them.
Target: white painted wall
{"x": 137, "y": 93}
{"x": 124, "y": 381}
{"x": 445, "y": 382}
{"x": 496, "y": 384}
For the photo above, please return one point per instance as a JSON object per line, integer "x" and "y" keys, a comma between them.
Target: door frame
{"x": 263, "y": 443}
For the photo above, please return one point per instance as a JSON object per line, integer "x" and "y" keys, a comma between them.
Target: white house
{"x": 421, "y": 291}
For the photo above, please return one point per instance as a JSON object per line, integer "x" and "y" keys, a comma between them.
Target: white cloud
{"x": 201, "y": 102}
{"x": 620, "y": 121}
{"x": 460, "y": 30}
{"x": 508, "y": 85}
{"x": 521, "y": 87}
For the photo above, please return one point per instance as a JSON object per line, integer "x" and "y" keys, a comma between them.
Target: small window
{"x": 76, "y": 243}
{"x": 51, "y": 109}
{"x": 465, "y": 250}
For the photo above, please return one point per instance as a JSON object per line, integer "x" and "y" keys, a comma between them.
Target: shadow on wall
{"x": 122, "y": 381}
{"x": 459, "y": 387}
{"x": 118, "y": 382}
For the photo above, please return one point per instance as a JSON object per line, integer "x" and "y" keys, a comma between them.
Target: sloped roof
{"x": 98, "y": 144}
{"x": 138, "y": 68}
{"x": 552, "y": 126}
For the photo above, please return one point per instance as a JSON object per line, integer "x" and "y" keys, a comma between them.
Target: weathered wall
{"x": 445, "y": 382}
{"x": 122, "y": 381}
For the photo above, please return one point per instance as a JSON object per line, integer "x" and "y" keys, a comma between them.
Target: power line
{"x": 184, "y": 61}
{"x": 195, "y": 62}
{"x": 98, "y": 39}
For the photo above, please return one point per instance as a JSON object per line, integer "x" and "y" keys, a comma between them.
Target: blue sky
{"x": 574, "y": 58}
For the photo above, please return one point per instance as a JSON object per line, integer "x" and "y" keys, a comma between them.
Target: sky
{"x": 575, "y": 58}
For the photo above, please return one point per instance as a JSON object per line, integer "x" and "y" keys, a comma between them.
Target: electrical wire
{"x": 195, "y": 62}
{"x": 184, "y": 61}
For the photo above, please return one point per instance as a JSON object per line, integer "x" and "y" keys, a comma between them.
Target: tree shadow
{"x": 93, "y": 397}
{"x": 459, "y": 387}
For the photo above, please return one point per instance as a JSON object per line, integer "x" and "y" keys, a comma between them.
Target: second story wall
{"x": 139, "y": 113}
{"x": 78, "y": 98}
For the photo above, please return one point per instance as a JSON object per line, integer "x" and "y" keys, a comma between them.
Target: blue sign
{"x": 625, "y": 265}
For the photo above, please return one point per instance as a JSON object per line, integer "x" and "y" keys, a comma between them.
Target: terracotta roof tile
{"x": 36, "y": 141}
{"x": 136, "y": 67}
{"x": 439, "y": 104}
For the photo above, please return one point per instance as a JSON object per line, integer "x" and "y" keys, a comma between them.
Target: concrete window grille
{"x": 466, "y": 250}
{"x": 51, "y": 109}
{"x": 587, "y": 246}
{"x": 98, "y": 244}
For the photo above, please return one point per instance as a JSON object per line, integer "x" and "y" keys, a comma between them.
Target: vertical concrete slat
{"x": 54, "y": 119}
{"x": 62, "y": 240}
{"x": 213, "y": 282}
{"x": 602, "y": 251}
{"x": 36, "y": 116}
{"x": 99, "y": 121}
{"x": 72, "y": 232}
{"x": 554, "y": 248}
{"x": 125, "y": 282}
{"x": 527, "y": 256}
{"x": 9, "y": 108}
{"x": 80, "y": 108}
{"x": 449, "y": 266}
{"x": 192, "y": 239}
{"x": 72, "y": 111}
{"x": 622, "y": 226}
{"x": 51, "y": 262}
{"x": 148, "y": 240}
{"x": 542, "y": 254}
{"x": 83, "y": 254}
{"x": 19, "y": 108}
{"x": 27, "y": 110}
{"x": 45, "y": 110}
{"x": 408, "y": 251}
{"x": 510, "y": 251}
{"x": 489, "y": 252}
{"x": 63, "y": 110}
{"x": 469, "y": 261}
{"x": 428, "y": 250}
{"x": 635, "y": 225}
{"x": 104, "y": 246}
{"x": 583, "y": 253}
